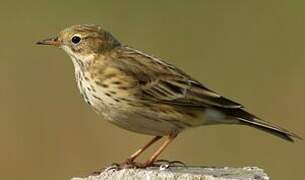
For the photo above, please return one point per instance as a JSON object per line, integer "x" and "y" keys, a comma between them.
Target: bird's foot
{"x": 165, "y": 164}
{"x": 162, "y": 164}
{"x": 129, "y": 164}
{"x": 113, "y": 166}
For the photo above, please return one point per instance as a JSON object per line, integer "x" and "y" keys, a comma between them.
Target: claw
{"x": 165, "y": 164}
{"x": 96, "y": 173}
{"x": 113, "y": 166}
{"x": 163, "y": 167}
{"x": 178, "y": 163}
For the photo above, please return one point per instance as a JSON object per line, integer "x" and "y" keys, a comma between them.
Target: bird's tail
{"x": 251, "y": 120}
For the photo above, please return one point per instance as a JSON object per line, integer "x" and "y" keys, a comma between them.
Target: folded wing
{"x": 161, "y": 82}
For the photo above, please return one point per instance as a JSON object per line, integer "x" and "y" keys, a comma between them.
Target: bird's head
{"x": 83, "y": 41}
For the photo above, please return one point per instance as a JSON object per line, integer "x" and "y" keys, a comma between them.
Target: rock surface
{"x": 182, "y": 173}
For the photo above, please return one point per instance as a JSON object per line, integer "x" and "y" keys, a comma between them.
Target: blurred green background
{"x": 251, "y": 51}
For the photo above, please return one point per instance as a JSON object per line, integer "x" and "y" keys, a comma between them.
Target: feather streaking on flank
{"x": 144, "y": 94}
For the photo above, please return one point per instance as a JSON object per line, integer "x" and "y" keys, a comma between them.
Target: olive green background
{"x": 250, "y": 51}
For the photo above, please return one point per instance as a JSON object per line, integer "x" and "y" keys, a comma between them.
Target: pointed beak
{"x": 50, "y": 41}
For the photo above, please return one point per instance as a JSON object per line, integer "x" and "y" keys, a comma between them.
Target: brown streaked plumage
{"x": 144, "y": 94}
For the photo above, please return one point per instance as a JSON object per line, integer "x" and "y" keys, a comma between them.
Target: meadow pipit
{"x": 144, "y": 94}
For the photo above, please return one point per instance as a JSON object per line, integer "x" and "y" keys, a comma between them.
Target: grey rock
{"x": 182, "y": 173}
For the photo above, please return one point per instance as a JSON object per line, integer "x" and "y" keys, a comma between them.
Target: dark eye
{"x": 75, "y": 39}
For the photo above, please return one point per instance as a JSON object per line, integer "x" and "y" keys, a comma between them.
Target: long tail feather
{"x": 251, "y": 120}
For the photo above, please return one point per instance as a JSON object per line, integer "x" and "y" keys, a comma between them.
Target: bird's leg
{"x": 153, "y": 158}
{"x": 131, "y": 159}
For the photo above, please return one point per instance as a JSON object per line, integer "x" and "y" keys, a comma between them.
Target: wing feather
{"x": 161, "y": 82}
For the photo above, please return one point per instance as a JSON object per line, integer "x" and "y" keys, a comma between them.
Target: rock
{"x": 182, "y": 173}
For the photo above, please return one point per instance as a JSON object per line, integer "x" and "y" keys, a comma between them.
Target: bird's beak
{"x": 50, "y": 41}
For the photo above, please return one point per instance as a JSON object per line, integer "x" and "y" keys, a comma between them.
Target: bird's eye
{"x": 75, "y": 39}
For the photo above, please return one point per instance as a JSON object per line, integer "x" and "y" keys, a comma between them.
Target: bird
{"x": 145, "y": 94}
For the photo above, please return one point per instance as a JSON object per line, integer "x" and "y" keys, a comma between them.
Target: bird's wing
{"x": 163, "y": 83}
{"x": 184, "y": 91}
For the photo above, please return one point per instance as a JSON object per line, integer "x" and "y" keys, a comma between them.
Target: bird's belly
{"x": 122, "y": 109}
{"x": 156, "y": 120}
{"x": 119, "y": 111}
{"x": 141, "y": 119}
{"x": 138, "y": 122}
